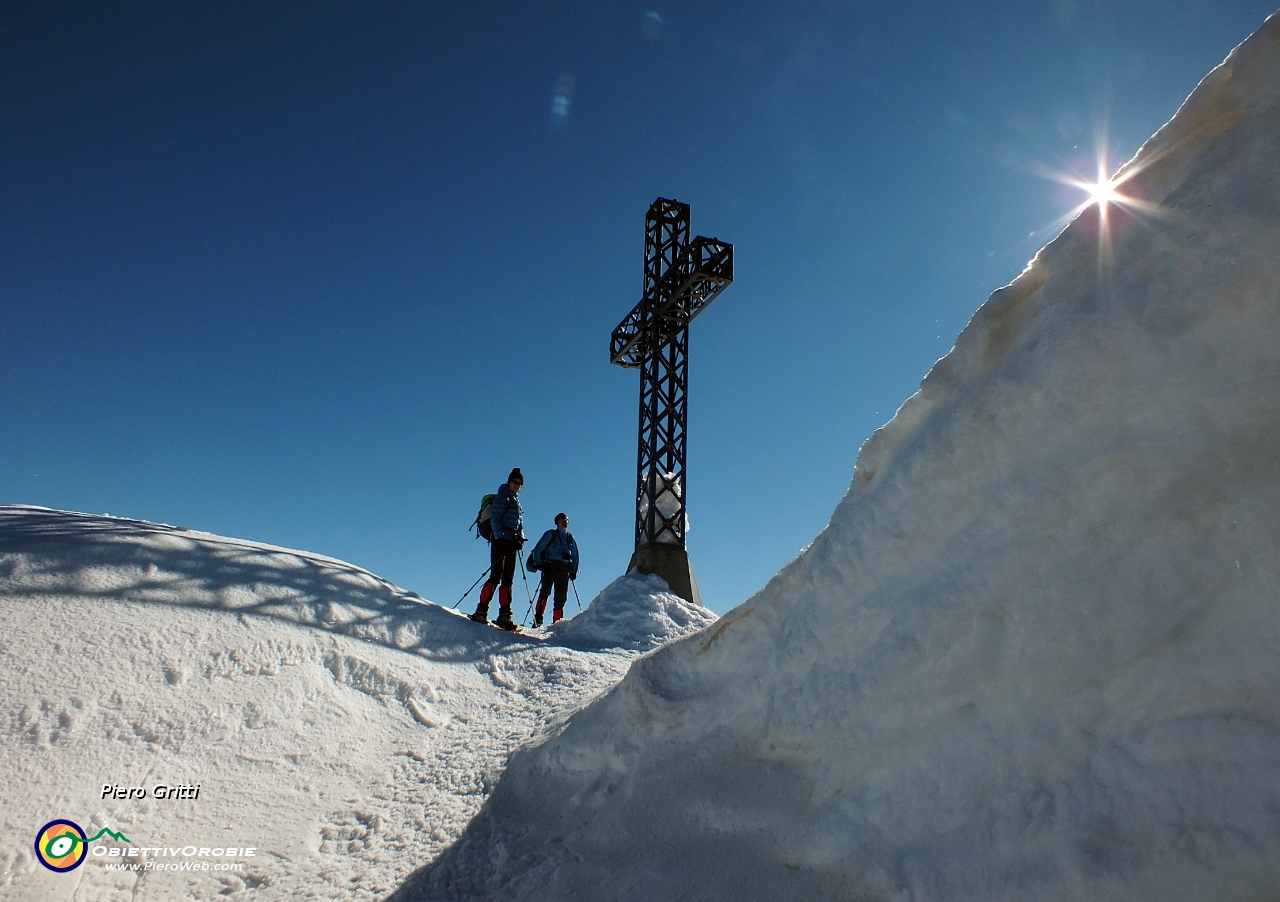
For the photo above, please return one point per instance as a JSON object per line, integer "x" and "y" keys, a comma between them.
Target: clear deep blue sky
{"x": 319, "y": 274}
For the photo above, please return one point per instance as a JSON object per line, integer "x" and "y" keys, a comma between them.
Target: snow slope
{"x": 343, "y": 728}
{"x": 1036, "y": 652}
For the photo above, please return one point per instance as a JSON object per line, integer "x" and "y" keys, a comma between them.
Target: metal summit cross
{"x": 681, "y": 277}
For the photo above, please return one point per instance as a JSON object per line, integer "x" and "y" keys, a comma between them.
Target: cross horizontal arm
{"x": 703, "y": 271}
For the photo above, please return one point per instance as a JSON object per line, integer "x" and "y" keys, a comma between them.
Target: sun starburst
{"x": 1110, "y": 192}
{"x": 1103, "y": 193}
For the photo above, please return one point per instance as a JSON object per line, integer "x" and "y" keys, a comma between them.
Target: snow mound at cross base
{"x": 1036, "y": 652}
{"x": 636, "y": 612}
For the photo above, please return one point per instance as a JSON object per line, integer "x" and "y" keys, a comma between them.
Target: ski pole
{"x": 524, "y": 576}
{"x": 473, "y": 585}
{"x": 575, "y": 593}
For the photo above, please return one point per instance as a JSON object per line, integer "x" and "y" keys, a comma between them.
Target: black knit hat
{"x": 516, "y": 476}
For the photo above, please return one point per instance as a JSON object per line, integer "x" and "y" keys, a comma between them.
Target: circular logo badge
{"x": 61, "y": 846}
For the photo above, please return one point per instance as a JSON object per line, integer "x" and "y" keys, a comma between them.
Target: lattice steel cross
{"x": 681, "y": 277}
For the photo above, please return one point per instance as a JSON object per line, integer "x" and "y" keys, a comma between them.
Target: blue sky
{"x": 319, "y": 274}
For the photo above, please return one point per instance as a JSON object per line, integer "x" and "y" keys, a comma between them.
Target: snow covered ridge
{"x": 113, "y": 557}
{"x": 1036, "y": 653}
{"x": 344, "y": 729}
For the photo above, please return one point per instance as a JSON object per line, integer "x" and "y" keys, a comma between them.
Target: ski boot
{"x": 504, "y": 621}
{"x": 482, "y": 610}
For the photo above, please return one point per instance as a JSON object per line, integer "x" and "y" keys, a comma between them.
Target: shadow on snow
{"x": 67, "y": 554}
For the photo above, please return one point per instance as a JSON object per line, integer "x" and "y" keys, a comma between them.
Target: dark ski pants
{"x": 555, "y": 575}
{"x": 502, "y": 562}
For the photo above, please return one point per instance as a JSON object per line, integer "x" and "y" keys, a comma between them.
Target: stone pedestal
{"x": 671, "y": 562}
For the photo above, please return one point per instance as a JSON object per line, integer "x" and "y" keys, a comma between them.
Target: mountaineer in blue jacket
{"x": 507, "y": 520}
{"x": 556, "y": 555}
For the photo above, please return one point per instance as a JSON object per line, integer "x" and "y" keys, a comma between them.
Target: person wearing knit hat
{"x": 556, "y": 555}
{"x": 507, "y": 520}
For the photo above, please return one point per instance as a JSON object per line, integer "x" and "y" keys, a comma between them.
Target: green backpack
{"x": 483, "y": 524}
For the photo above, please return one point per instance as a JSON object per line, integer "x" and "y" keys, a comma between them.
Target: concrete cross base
{"x": 671, "y": 562}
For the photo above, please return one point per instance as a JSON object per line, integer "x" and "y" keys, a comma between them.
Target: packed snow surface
{"x": 1035, "y": 655}
{"x": 342, "y": 728}
{"x": 636, "y": 613}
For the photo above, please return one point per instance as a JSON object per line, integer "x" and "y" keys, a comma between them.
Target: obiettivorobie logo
{"x": 62, "y": 846}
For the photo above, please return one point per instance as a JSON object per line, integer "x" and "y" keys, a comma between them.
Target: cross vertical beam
{"x": 681, "y": 277}
{"x": 664, "y": 380}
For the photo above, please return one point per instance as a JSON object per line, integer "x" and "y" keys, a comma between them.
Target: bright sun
{"x": 1102, "y": 193}
{"x": 1111, "y": 194}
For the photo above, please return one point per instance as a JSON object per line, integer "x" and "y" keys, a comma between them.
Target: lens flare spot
{"x": 561, "y": 99}
{"x": 651, "y": 24}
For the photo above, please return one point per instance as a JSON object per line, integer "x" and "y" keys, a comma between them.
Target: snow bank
{"x": 343, "y": 728}
{"x": 636, "y": 613}
{"x": 1036, "y": 652}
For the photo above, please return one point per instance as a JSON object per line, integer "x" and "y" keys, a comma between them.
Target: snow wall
{"x": 1036, "y": 652}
